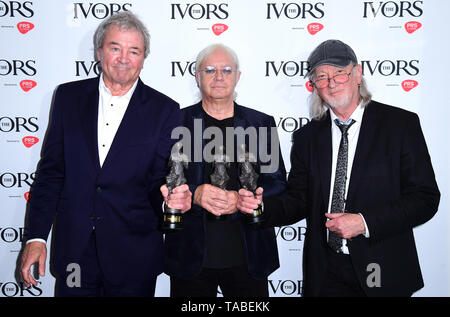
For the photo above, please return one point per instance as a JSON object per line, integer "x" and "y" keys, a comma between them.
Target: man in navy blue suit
{"x": 102, "y": 164}
{"x": 362, "y": 177}
{"x": 217, "y": 247}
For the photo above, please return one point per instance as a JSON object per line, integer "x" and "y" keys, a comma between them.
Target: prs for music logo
{"x": 219, "y": 28}
{"x": 29, "y": 141}
{"x": 27, "y": 84}
{"x": 409, "y": 84}
{"x": 315, "y": 27}
{"x": 25, "y": 27}
{"x": 412, "y": 26}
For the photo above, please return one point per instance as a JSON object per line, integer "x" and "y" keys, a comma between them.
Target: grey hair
{"x": 204, "y": 53}
{"x": 207, "y": 51}
{"x": 318, "y": 107}
{"x": 125, "y": 20}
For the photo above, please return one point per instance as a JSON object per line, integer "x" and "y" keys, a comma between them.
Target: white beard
{"x": 335, "y": 104}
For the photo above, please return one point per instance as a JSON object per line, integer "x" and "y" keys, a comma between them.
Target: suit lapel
{"x": 89, "y": 118}
{"x": 128, "y": 125}
{"x": 197, "y": 113}
{"x": 239, "y": 121}
{"x": 366, "y": 140}
{"x": 323, "y": 147}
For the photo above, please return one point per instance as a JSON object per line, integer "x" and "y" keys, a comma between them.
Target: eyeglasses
{"x": 212, "y": 71}
{"x": 340, "y": 78}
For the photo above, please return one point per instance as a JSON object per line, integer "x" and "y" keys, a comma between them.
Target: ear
{"x": 238, "y": 76}
{"x": 359, "y": 73}
{"x": 99, "y": 54}
{"x": 197, "y": 78}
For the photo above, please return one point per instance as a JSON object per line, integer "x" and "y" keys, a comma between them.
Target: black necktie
{"x": 338, "y": 199}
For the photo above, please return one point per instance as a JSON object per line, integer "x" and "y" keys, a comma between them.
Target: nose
{"x": 331, "y": 83}
{"x": 123, "y": 57}
{"x": 219, "y": 74}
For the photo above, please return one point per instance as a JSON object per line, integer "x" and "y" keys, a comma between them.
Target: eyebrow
{"x": 115, "y": 43}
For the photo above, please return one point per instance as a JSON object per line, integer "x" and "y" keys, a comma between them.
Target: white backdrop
{"x": 402, "y": 45}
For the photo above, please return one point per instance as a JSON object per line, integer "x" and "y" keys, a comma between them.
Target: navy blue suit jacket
{"x": 392, "y": 185}
{"x": 185, "y": 250}
{"x": 121, "y": 198}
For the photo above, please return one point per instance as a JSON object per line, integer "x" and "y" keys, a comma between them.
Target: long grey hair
{"x": 318, "y": 107}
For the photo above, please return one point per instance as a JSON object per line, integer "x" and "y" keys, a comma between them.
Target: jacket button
{"x": 99, "y": 189}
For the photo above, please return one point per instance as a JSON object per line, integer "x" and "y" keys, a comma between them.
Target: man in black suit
{"x": 217, "y": 247}
{"x": 362, "y": 177}
{"x": 102, "y": 164}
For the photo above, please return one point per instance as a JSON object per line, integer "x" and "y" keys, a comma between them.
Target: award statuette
{"x": 173, "y": 217}
{"x": 219, "y": 178}
{"x": 249, "y": 181}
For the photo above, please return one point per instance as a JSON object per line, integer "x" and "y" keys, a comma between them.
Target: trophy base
{"x": 172, "y": 219}
{"x": 256, "y": 218}
{"x": 172, "y": 226}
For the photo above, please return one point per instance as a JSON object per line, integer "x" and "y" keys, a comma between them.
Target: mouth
{"x": 335, "y": 92}
{"x": 121, "y": 66}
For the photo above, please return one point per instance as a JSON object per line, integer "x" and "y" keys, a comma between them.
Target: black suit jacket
{"x": 185, "y": 249}
{"x": 392, "y": 185}
{"x": 121, "y": 199}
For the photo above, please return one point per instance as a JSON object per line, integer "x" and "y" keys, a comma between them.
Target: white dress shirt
{"x": 336, "y": 135}
{"x": 111, "y": 110}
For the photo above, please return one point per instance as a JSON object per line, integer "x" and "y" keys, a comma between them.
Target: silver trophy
{"x": 249, "y": 180}
{"x": 173, "y": 217}
{"x": 219, "y": 177}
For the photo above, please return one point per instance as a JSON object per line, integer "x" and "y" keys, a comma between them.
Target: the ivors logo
{"x": 98, "y": 10}
{"x": 17, "y": 67}
{"x": 198, "y": 11}
{"x": 87, "y": 68}
{"x": 286, "y": 68}
{"x": 19, "y": 180}
{"x": 293, "y": 10}
{"x": 391, "y": 67}
{"x": 14, "y": 9}
{"x": 286, "y": 287}
{"x": 289, "y": 233}
{"x": 18, "y": 124}
{"x": 392, "y": 9}
{"x": 182, "y": 68}
{"x": 13, "y": 289}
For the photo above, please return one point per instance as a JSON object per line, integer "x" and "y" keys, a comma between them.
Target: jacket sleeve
{"x": 49, "y": 182}
{"x": 419, "y": 197}
{"x": 159, "y": 168}
{"x": 290, "y": 206}
{"x": 274, "y": 180}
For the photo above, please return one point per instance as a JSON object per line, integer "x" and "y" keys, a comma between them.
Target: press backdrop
{"x": 403, "y": 47}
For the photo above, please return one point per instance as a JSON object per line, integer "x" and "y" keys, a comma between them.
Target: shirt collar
{"x": 105, "y": 90}
{"x": 356, "y": 115}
